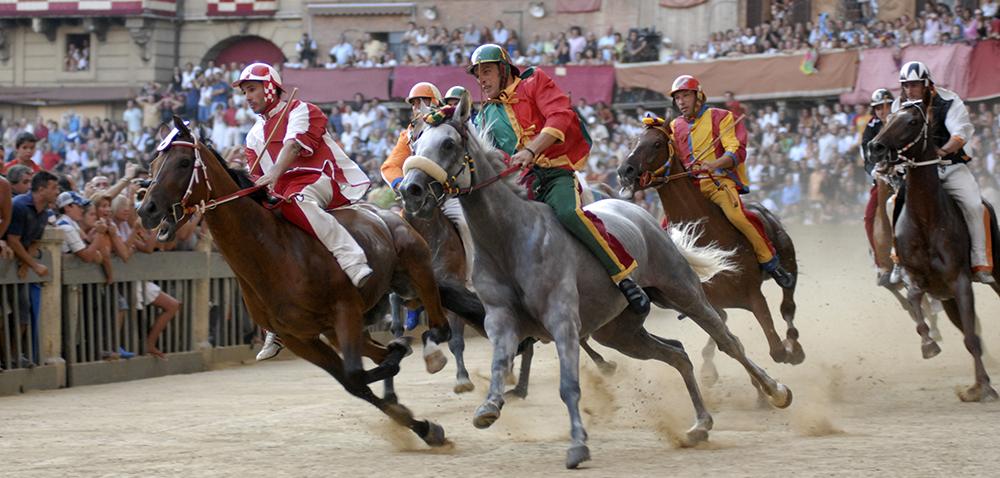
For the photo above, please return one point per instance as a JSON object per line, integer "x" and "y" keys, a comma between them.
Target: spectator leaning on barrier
{"x": 71, "y": 208}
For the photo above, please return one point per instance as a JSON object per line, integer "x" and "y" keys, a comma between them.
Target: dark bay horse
{"x": 291, "y": 284}
{"x": 932, "y": 240}
{"x": 683, "y": 201}
{"x": 537, "y": 281}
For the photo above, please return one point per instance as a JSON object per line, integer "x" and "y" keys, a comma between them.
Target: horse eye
{"x": 185, "y": 163}
{"x": 448, "y": 144}
{"x": 658, "y": 145}
{"x": 913, "y": 122}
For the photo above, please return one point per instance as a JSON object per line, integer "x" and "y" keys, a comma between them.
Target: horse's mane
{"x": 240, "y": 176}
{"x": 480, "y": 145}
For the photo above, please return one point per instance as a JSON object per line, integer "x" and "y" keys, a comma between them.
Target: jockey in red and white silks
{"x": 303, "y": 163}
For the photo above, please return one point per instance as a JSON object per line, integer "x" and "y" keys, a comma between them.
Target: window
{"x": 77, "y": 52}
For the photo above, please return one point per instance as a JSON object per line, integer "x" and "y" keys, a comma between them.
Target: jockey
{"x": 881, "y": 102}
{"x": 701, "y": 127}
{"x": 454, "y": 94}
{"x": 951, "y": 130}
{"x": 302, "y": 162}
{"x": 532, "y": 120}
{"x": 423, "y": 95}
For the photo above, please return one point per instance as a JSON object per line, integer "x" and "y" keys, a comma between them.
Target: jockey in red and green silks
{"x": 530, "y": 119}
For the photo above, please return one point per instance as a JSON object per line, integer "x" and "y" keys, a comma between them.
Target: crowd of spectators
{"x": 935, "y": 24}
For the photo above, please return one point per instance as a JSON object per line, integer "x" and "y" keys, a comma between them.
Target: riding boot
{"x": 638, "y": 301}
{"x": 782, "y": 277}
{"x": 272, "y": 346}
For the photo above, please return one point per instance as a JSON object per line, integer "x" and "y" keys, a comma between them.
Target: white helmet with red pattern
{"x": 268, "y": 76}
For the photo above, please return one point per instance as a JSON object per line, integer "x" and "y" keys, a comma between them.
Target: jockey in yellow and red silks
{"x": 707, "y": 139}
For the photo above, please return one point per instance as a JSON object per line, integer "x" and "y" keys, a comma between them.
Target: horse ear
{"x": 181, "y": 127}
{"x": 464, "y": 108}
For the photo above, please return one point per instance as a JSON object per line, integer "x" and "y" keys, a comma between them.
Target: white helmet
{"x": 915, "y": 71}
{"x": 268, "y": 76}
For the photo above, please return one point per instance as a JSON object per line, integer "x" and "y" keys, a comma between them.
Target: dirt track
{"x": 865, "y": 403}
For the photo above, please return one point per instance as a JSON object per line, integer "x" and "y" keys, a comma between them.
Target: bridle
{"x": 444, "y": 184}
{"x": 658, "y": 177}
{"x": 181, "y": 209}
{"x": 923, "y": 137}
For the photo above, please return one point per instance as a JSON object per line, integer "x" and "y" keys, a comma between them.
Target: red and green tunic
{"x": 531, "y": 105}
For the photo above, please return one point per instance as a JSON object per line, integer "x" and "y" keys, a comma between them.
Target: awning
{"x": 67, "y": 95}
{"x": 329, "y": 86}
{"x": 362, "y": 9}
{"x": 984, "y": 71}
{"x": 752, "y": 78}
{"x": 949, "y": 65}
{"x": 594, "y": 83}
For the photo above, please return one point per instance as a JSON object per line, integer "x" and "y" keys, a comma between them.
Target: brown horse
{"x": 291, "y": 284}
{"x": 932, "y": 240}
{"x": 683, "y": 202}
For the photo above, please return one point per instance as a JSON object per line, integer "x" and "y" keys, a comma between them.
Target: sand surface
{"x": 865, "y": 404}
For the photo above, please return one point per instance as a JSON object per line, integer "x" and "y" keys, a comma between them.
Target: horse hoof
{"x": 978, "y": 393}
{"x": 782, "y": 397}
{"x": 464, "y": 385}
{"x": 402, "y": 344}
{"x": 779, "y": 355}
{"x": 486, "y": 414}
{"x": 607, "y": 368}
{"x": 435, "y": 435}
{"x": 930, "y": 349}
{"x": 575, "y": 455}
{"x": 434, "y": 358}
{"x": 795, "y": 353}
{"x": 695, "y": 435}
{"x": 516, "y": 392}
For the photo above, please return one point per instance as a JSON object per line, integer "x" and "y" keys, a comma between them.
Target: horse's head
{"x": 440, "y": 163}
{"x": 904, "y": 136}
{"x": 649, "y": 158}
{"x": 175, "y": 183}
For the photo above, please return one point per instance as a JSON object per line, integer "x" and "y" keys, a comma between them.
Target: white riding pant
{"x": 334, "y": 236}
{"x": 453, "y": 211}
{"x": 957, "y": 179}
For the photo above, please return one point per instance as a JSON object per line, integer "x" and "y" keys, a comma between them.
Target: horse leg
{"x": 709, "y": 374}
{"x": 758, "y": 305}
{"x": 562, "y": 326}
{"x": 928, "y": 347}
{"x": 795, "y": 353}
{"x": 527, "y": 351}
{"x": 320, "y": 354}
{"x": 457, "y": 346}
{"x": 962, "y": 308}
{"x": 705, "y": 316}
{"x": 416, "y": 260}
{"x": 606, "y": 367}
{"x": 932, "y": 317}
{"x": 627, "y": 335}
{"x": 396, "y": 311}
{"x": 501, "y": 330}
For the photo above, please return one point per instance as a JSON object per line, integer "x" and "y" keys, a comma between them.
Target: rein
{"x": 179, "y": 210}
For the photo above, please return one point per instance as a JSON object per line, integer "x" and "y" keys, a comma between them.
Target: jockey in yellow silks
{"x": 710, "y": 139}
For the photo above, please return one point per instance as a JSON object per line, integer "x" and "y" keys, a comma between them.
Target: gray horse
{"x": 535, "y": 280}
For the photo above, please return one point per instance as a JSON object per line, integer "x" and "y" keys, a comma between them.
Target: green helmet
{"x": 455, "y": 93}
{"x": 492, "y": 53}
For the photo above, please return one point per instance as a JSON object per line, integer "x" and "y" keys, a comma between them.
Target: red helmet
{"x": 685, "y": 82}
{"x": 268, "y": 76}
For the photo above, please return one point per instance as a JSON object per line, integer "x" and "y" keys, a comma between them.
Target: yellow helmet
{"x": 425, "y": 90}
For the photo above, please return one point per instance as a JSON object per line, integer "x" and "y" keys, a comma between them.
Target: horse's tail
{"x": 994, "y": 237}
{"x": 464, "y": 303}
{"x": 706, "y": 261}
